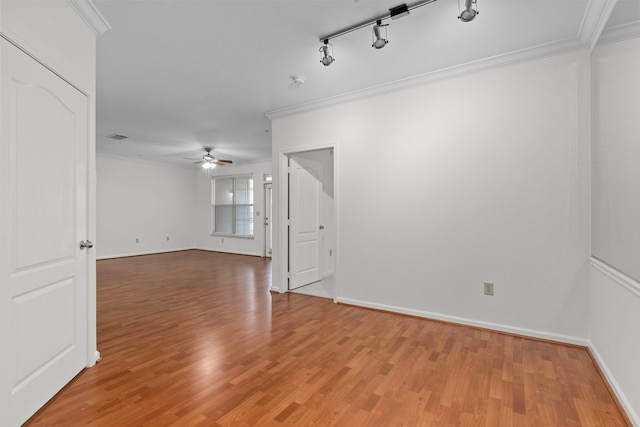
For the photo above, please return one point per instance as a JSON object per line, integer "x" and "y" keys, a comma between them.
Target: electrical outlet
{"x": 330, "y": 252}
{"x": 167, "y": 238}
{"x": 488, "y": 288}
{"x": 137, "y": 240}
{"x": 222, "y": 240}
{"x": 257, "y": 213}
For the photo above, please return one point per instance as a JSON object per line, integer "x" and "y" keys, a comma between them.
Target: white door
{"x": 43, "y": 218}
{"x": 268, "y": 212}
{"x": 304, "y": 236}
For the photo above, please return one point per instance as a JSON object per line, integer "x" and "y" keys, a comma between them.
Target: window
{"x": 233, "y": 205}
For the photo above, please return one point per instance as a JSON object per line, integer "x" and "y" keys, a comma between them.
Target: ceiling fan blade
{"x": 222, "y": 162}
{"x": 198, "y": 162}
{"x": 192, "y": 158}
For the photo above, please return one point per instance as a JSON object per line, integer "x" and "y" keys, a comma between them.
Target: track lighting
{"x": 469, "y": 13}
{"x": 326, "y": 59}
{"x": 378, "y": 41}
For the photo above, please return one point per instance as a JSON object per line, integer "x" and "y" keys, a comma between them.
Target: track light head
{"x": 326, "y": 59}
{"x": 469, "y": 13}
{"x": 378, "y": 41}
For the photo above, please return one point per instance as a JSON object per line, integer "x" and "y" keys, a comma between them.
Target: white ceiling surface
{"x": 178, "y": 75}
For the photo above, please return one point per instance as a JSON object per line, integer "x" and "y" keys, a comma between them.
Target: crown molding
{"x": 594, "y": 20}
{"x": 620, "y": 32}
{"x": 90, "y": 15}
{"x": 498, "y": 61}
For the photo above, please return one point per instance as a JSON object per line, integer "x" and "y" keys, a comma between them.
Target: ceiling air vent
{"x": 117, "y": 137}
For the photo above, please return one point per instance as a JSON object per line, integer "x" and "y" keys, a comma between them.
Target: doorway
{"x": 268, "y": 214}
{"x": 311, "y": 218}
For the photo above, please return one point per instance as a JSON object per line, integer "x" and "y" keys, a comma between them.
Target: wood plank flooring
{"x": 195, "y": 338}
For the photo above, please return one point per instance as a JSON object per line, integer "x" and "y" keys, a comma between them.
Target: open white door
{"x": 304, "y": 236}
{"x": 43, "y": 218}
{"x": 268, "y": 215}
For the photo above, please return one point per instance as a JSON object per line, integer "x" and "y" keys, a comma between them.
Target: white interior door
{"x": 43, "y": 218}
{"x": 268, "y": 214}
{"x": 304, "y": 236}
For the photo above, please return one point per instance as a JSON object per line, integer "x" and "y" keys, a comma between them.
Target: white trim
{"x": 470, "y": 322}
{"x": 627, "y": 282}
{"x": 235, "y": 236}
{"x": 256, "y": 254}
{"x": 620, "y": 32}
{"x": 142, "y": 253}
{"x": 237, "y": 175}
{"x": 96, "y": 357}
{"x": 631, "y": 413}
{"x": 281, "y": 222}
{"x": 43, "y": 60}
{"x": 90, "y": 15}
{"x": 179, "y": 250}
{"x": 498, "y": 61}
{"x": 594, "y": 20}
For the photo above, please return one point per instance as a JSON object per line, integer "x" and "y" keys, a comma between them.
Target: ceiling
{"x": 176, "y": 76}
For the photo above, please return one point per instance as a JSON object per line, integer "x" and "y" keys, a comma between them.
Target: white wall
{"x": 445, "y": 186}
{"x": 614, "y": 316}
{"x": 614, "y": 304}
{"x": 202, "y": 226}
{"x": 137, "y": 200}
{"x": 616, "y": 156}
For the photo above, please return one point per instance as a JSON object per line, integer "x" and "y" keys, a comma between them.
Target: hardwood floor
{"x": 195, "y": 338}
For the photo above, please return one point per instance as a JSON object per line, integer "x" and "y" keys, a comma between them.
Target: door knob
{"x": 321, "y": 227}
{"x": 86, "y": 244}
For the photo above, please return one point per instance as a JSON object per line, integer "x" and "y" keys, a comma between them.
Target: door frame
{"x": 268, "y": 209}
{"x": 280, "y": 223}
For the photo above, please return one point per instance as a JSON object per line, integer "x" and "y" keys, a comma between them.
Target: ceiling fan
{"x": 208, "y": 161}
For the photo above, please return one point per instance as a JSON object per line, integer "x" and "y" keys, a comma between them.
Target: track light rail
{"x": 388, "y": 15}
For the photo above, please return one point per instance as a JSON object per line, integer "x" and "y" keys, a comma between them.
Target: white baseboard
{"x": 92, "y": 361}
{"x": 633, "y": 416}
{"x": 259, "y": 254}
{"x": 178, "y": 250}
{"x": 141, "y": 253}
{"x": 470, "y": 322}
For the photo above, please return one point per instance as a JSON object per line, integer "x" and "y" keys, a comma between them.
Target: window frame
{"x": 233, "y": 205}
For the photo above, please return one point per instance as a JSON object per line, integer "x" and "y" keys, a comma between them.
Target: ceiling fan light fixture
{"x": 208, "y": 165}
